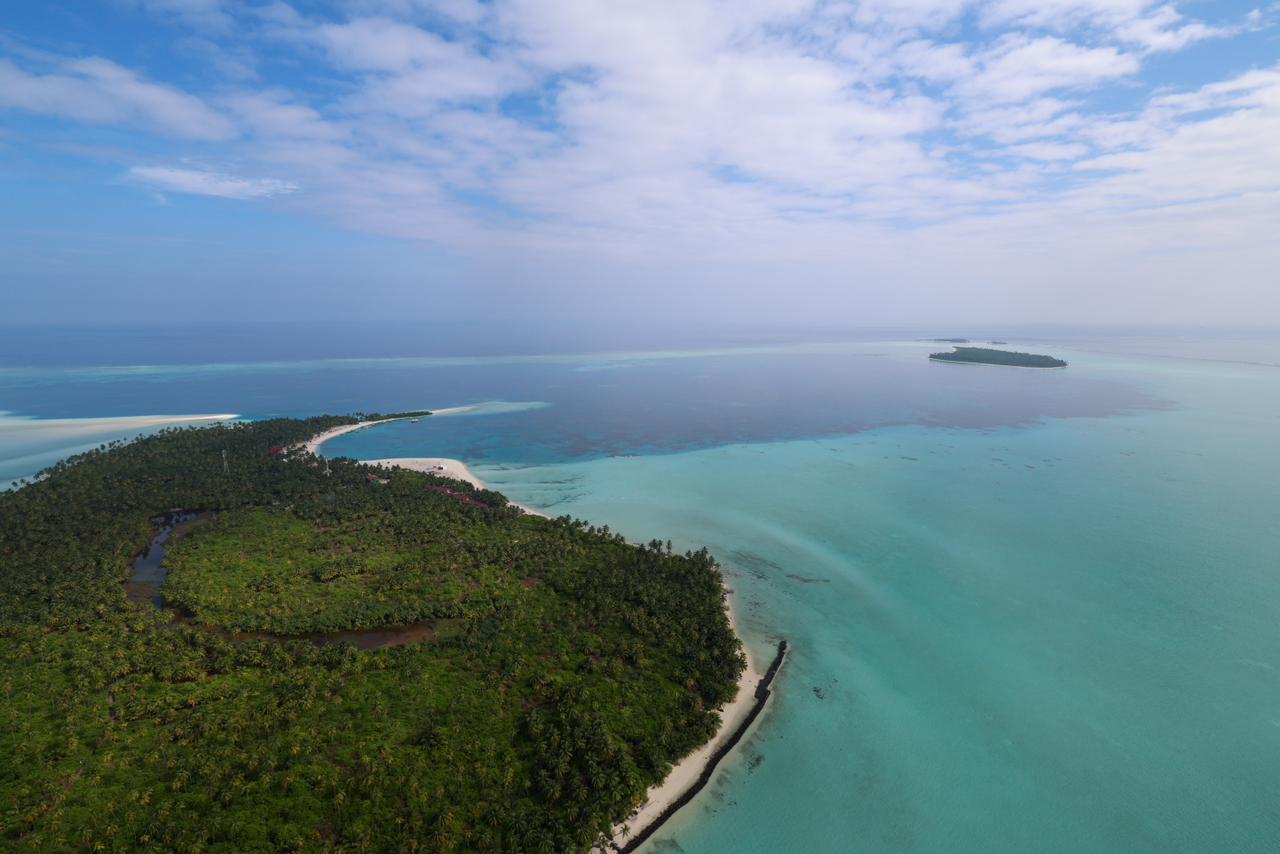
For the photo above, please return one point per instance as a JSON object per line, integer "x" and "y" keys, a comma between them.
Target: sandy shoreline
{"x": 24, "y": 426}
{"x": 684, "y": 774}
{"x": 312, "y": 445}
{"x": 440, "y": 466}
{"x": 444, "y": 467}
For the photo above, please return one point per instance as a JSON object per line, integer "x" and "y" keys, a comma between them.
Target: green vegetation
{"x": 269, "y": 570}
{"x": 985, "y": 356}
{"x": 388, "y": 416}
{"x": 570, "y": 670}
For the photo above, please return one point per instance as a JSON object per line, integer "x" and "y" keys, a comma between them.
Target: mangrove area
{"x": 229, "y": 689}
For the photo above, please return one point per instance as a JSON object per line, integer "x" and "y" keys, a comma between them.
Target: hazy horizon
{"x": 55, "y": 346}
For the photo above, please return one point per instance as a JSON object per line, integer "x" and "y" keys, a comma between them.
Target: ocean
{"x": 1028, "y": 610}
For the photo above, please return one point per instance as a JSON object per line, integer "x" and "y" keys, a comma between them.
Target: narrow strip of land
{"x": 440, "y": 466}
{"x": 312, "y": 445}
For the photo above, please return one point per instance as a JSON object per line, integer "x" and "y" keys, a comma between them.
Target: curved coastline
{"x": 312, "y": 445}
{"x": 688, "y": 776}
{"x": 724, "y": 744}
{"x": 444, "y": 467}
{"x": 439, "y": 466}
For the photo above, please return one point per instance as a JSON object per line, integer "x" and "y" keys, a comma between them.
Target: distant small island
{"x": 946, "y": 340}
{"x": 986, "y": 356}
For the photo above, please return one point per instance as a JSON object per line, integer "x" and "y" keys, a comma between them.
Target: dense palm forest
{"x": 563, "y": 670}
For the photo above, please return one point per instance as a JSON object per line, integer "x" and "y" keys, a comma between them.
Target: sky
{"x": 871, "y": 162}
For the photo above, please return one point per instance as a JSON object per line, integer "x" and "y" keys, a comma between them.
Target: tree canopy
{"x": 987, "y": 356}
{"x": 563, "y": 672}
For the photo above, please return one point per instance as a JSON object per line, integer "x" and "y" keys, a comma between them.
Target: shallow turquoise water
{"x": 1063, "y": 637}
{"x": 1029, "y": 611}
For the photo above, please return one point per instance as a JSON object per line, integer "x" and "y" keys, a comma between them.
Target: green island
{"x": 557, "y": 671}
{"x": 986, "y": 356}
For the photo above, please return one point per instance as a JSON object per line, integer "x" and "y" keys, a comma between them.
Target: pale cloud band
{"x": 100, "y": 91}
{"x": 203, "y": 182}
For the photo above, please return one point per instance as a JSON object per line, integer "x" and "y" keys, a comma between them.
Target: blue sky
{"x": 1022, "y": 160}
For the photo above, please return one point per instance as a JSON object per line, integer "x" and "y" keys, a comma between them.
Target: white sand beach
{"x": 441, "y": 466}
{"x": 30, "y": 444}
{"x": 22, "y": 428}
{"x": 686, "y": 772}
{"x": 312, "y": 445}
{"x": 445, "y": 467}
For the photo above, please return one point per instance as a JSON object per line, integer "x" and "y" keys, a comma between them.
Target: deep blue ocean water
{"x": 1029, "y": 610}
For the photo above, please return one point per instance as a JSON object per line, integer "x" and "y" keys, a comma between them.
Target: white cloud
{"x": 411, "y": 69}
{"x": 384, "y": 45}
{"x": 1183, "y": 156}
{"x": 705, "y": 129}
{"x": 203, "y": 182}
{"x": 1037, "y": 119}
{"x": 463, "y": 11}
{"x": 275, "y": 115}
{"x": 1017, "y": 68}
{"x": 97, "y": 90}
{"x": 931, "y": 61}
{"x": 1149, "y": 25}
{"x": 1048, "y": 151}
{"x": 910, "y": 14}
{"x": 778, "y": 132}
{"x": 1064, "y": 15}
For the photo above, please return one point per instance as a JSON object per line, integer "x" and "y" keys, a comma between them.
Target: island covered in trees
{"x": 986, "y": 356}
{"x": 554, "y": 672}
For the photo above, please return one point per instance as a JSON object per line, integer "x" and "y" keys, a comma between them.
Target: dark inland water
{"x": 147, "y": 575}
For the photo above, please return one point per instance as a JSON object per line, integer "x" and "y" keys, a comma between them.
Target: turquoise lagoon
{"x": 1028, "y": 611}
